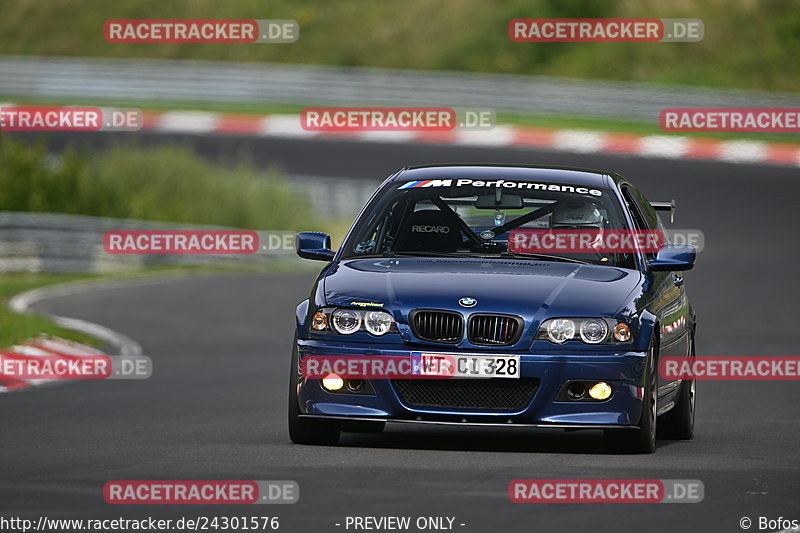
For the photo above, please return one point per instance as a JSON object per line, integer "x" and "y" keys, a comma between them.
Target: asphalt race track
{"x": 215, "y": 406}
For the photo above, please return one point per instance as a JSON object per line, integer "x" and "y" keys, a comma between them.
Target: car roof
{"x": 564, "y": 175}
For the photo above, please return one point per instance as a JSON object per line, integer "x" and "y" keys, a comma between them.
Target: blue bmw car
{"x": 432, "y": 270}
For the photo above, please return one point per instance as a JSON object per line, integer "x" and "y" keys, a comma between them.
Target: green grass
{"x": 747, "y": 44}
{"x": 166, "y": 183}
{"x": 18, "y": 327}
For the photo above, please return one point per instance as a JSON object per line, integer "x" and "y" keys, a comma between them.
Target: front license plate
{"x": 465, "y": 366}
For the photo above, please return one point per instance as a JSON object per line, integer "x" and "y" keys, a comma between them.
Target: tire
{"x": 643, "y": 439}
{"x": 678, "y": 423}
{"x": 307, "y": 431}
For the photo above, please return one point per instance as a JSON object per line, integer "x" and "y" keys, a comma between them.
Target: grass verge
{"x": 746, "y": 43}
{"x": 164, "y": 183}
{"x": 18, "y": 327}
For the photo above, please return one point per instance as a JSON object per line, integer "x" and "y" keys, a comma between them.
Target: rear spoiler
{"x": 665, "y": 206}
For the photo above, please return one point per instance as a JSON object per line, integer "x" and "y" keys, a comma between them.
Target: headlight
{"x": 587, "y": 330}
{"x": 594, "y": 331}
{"x": 346, "y": 321}
{"x": 378, "y": 322}
{"x": 561, "y": 330}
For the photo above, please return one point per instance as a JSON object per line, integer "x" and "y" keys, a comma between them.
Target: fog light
{"x": 600, "y": 391}
{"x": 332, "y": 382}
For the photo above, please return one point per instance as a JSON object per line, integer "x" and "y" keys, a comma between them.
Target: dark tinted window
{"x": 452, "y": 217}
{"x": 645, "y": 217}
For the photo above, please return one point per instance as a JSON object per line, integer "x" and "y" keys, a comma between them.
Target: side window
{"x": 634, "y": 209}
{"x": 644, "y": 216}
{"x": 650, "y": 215}
{"x": 378, "y": 233}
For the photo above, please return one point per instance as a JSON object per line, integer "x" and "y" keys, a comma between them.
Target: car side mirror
{"x": 314, "y": 245}
{"x": 674, "y": 257}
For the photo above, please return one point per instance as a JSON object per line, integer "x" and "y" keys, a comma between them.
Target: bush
{"x": 166, "y": 183}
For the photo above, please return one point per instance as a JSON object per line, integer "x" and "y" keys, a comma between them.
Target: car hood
{"x": 533, "y": 290}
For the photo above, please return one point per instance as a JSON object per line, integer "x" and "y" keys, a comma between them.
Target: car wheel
{"x": 642, "y": 439}
{"x": 302, "y": 430}
{"x": 678, "y": 423}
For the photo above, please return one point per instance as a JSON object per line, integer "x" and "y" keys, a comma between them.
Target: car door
{"x": 669, "y": 301}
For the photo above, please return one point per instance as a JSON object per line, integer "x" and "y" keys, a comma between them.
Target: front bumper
{"x": 624, "y": 371}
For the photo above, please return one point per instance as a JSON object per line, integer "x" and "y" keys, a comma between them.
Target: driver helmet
{"x": 579, "y": 214}
{"x": 576, "y": 214}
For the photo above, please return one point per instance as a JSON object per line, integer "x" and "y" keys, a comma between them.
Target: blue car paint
{"x": 535, "y": 290}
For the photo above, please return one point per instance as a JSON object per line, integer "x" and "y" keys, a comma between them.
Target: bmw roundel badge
{"x": 467, "y": 302}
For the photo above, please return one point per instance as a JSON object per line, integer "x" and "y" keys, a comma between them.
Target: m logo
{"x": 427, "y": 183}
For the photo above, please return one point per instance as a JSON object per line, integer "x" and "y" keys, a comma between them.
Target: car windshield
{"x": 489, "y": 218}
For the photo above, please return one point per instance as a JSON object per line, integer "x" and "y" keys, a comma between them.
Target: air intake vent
{"x": 437, "y": 326}
{"x": 494, "y": 330}
{"x": 490, "y": 394}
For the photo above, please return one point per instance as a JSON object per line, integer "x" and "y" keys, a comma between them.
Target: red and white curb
{"x": 39, "y": 347}
{"x": 566, "y": 140}
{"x": 121, "y": 344}
{"x": 53, "y": 346}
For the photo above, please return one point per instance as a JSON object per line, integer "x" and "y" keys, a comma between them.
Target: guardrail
{"x": 335, "y": 198}
{"x": 51, "y": 242}
{"x": 207, "y": 81}
{"x": 47, "y": 242}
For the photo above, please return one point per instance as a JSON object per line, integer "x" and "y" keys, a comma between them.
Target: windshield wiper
{"x": 544, "y": 256}
{"x": 501, "y": 255}
{"x": 430, "y": 254}
{"x": 389, "y": 255}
